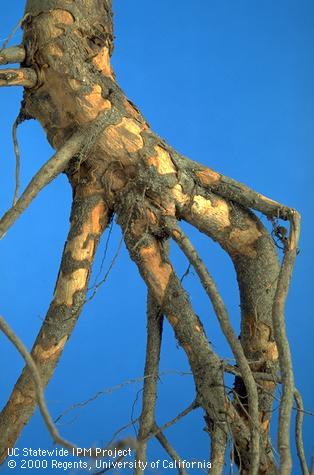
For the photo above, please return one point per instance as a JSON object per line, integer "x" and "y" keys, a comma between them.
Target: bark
{"x": 89, "y": 216}
{"x": 136, "y": 175}
{"x": 26, "y": 77}
{"x": 16, "y": 54}
{"x": 153, "y": 348}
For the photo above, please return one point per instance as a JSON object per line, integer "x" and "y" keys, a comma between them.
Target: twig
{"x": 283, "y": 345}
{"x": 155, "y": 431}
{"x": 121, "y": 444}
{"x": 217, "y": 451}
{"x": 117, "y": 460}
{"x": 170, "y": 450}
{"x": 104, "y": 254}
{"x": 298, "y": 432}
{"x": 48, "y": 172}
{"x": 118, "y": 431}
{"x": 133, "y": 420}
{"x": 103, "y": 280}
{"x": 175, "y": 304}
{"x": 63, "y": 312}
{"x": 235, "y": 452}
{"x": 117, "y": 388}
{"x": 15, "y": 54}
{"x": 115, "y": 257}
{"x": 17, "y": 160}
{"x": 38, "y": 384}
{"x": 278, "y": 399}
{"x": 14, "y": 30}
{"x": 45, "y": 175}
{"x": 299, "y": 409}
{"x": 210, "y": 287}
{"x": 180, "y": 416}
{"x": 96, "y": 396}
{"x": 26, "y": 77}
{"x": 257, "y": 374}
{"x": 153, "y": 346}
{"x": 186, "y": 273}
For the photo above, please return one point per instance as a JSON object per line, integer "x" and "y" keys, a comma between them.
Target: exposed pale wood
{"x": 87, "y": 224}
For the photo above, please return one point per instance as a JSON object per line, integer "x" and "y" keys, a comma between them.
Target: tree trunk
{"x": 132, "y": 172}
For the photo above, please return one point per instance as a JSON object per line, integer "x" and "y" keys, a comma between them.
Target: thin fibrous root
{"x": 282, "y": 343}
{"x": 153, "y": 346}
{"x": 52, "y": 168}
{"x": 220, "y": 309}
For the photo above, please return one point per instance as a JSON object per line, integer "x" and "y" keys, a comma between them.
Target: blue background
{"x": 229, "y": 84}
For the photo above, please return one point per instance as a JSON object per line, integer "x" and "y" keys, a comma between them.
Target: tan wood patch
{"x": 208, "y": 176}
{"x": 158, "y": 272}
{"x": 162, "y": 161}
{"x": 52, "y": 351}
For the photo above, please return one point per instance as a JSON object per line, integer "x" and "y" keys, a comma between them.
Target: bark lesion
{"x": 88, "y": 219}
{"x": 26, "y": 77}
{"x": 157, "y": 273}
